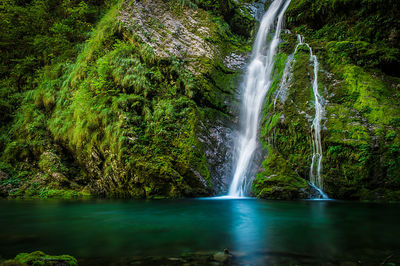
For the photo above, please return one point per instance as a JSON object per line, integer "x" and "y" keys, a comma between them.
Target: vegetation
{"x": 91, "y": 106}
{"x": 38, "y": 38}
{"x": 96, "y": 100}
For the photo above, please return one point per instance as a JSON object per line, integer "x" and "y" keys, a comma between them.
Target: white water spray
{"x": 256, "y": 85}
{"x": 316, "y": 163}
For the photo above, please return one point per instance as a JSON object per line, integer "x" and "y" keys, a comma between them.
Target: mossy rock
{"x": 39, "y": 258}
{"x": 280, "y": 187}
{"x": 281, "y": 193}
{"x": 278, "y": 180}
{"x": 12, "y": 263}
{"x": 236, "y": 13}
{"x": 242, "y": 22}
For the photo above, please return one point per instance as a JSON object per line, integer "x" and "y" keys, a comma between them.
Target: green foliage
{"x": 51, "y": 28}
{"x": 364, "y": 32}
{"x": 109, "y": 115}
{"x": 36, "y": 37}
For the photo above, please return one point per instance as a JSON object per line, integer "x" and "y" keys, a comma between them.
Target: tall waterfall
{"x": 257, "y": 82}
{"x": 316, "y": 162}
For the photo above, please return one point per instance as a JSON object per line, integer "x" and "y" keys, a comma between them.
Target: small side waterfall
{"x": 316, "y": 163}
{"x": 285, "y": 80}
{"x": 257, "y": 82}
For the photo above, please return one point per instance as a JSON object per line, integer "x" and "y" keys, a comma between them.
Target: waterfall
{"x": 287, "y": 74}
{"x": 257, "y": 82}
{"x": 316, "y": 162}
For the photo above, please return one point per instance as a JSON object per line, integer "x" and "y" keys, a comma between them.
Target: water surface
{"x": 324, "y": 231}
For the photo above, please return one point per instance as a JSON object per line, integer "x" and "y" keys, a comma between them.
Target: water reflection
{"x": 247, "y": 227}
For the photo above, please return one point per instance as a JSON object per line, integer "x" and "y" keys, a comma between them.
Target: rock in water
{"x": 222, "y": 257}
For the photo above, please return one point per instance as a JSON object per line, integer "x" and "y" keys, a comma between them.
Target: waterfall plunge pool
{"x": 257, "y": 232}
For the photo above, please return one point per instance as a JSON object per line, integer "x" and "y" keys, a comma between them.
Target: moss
{"x": 344, "y": 128}
{"x": 36, "y": 191}
{"x": 278, "y": 180}
{"x": 12, "y": 262}
{"x": 289, "y": 42}
{"x": 368, "y": 92}
{"x": 364, "y": 30}
{"x": 62, "y": 194}
{"x": 357, "y": 151}
{"x": 241, "y": 21}
{"x": 236, "y": 13}
{"x": 285, "y": 132}
{"x": 361, "y": 96}
{"x": 39, "y": 258}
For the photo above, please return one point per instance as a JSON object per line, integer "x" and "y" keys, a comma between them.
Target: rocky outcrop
{"x": 186, "y": 33}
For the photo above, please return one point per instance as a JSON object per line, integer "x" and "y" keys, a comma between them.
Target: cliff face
{"x": 144, "y": 110}
{"x": 357, "y": 46}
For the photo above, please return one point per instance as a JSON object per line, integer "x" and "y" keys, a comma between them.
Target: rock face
{"x": 181, "y": 35}
{"x": 217, "y": 138}
{"x": 360, "y": 136}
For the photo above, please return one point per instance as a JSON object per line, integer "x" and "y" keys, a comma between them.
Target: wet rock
{"x": 222, "y": 257}
{"x": 235, "y": 61}
{"x": 217, "y": 138}
{"x": 49, "y": 162}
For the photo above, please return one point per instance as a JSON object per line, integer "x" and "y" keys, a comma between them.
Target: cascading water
{"x": 256, "y": 85}
{"x": 285, "y": 80}
{"x": 316, "y": 162}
